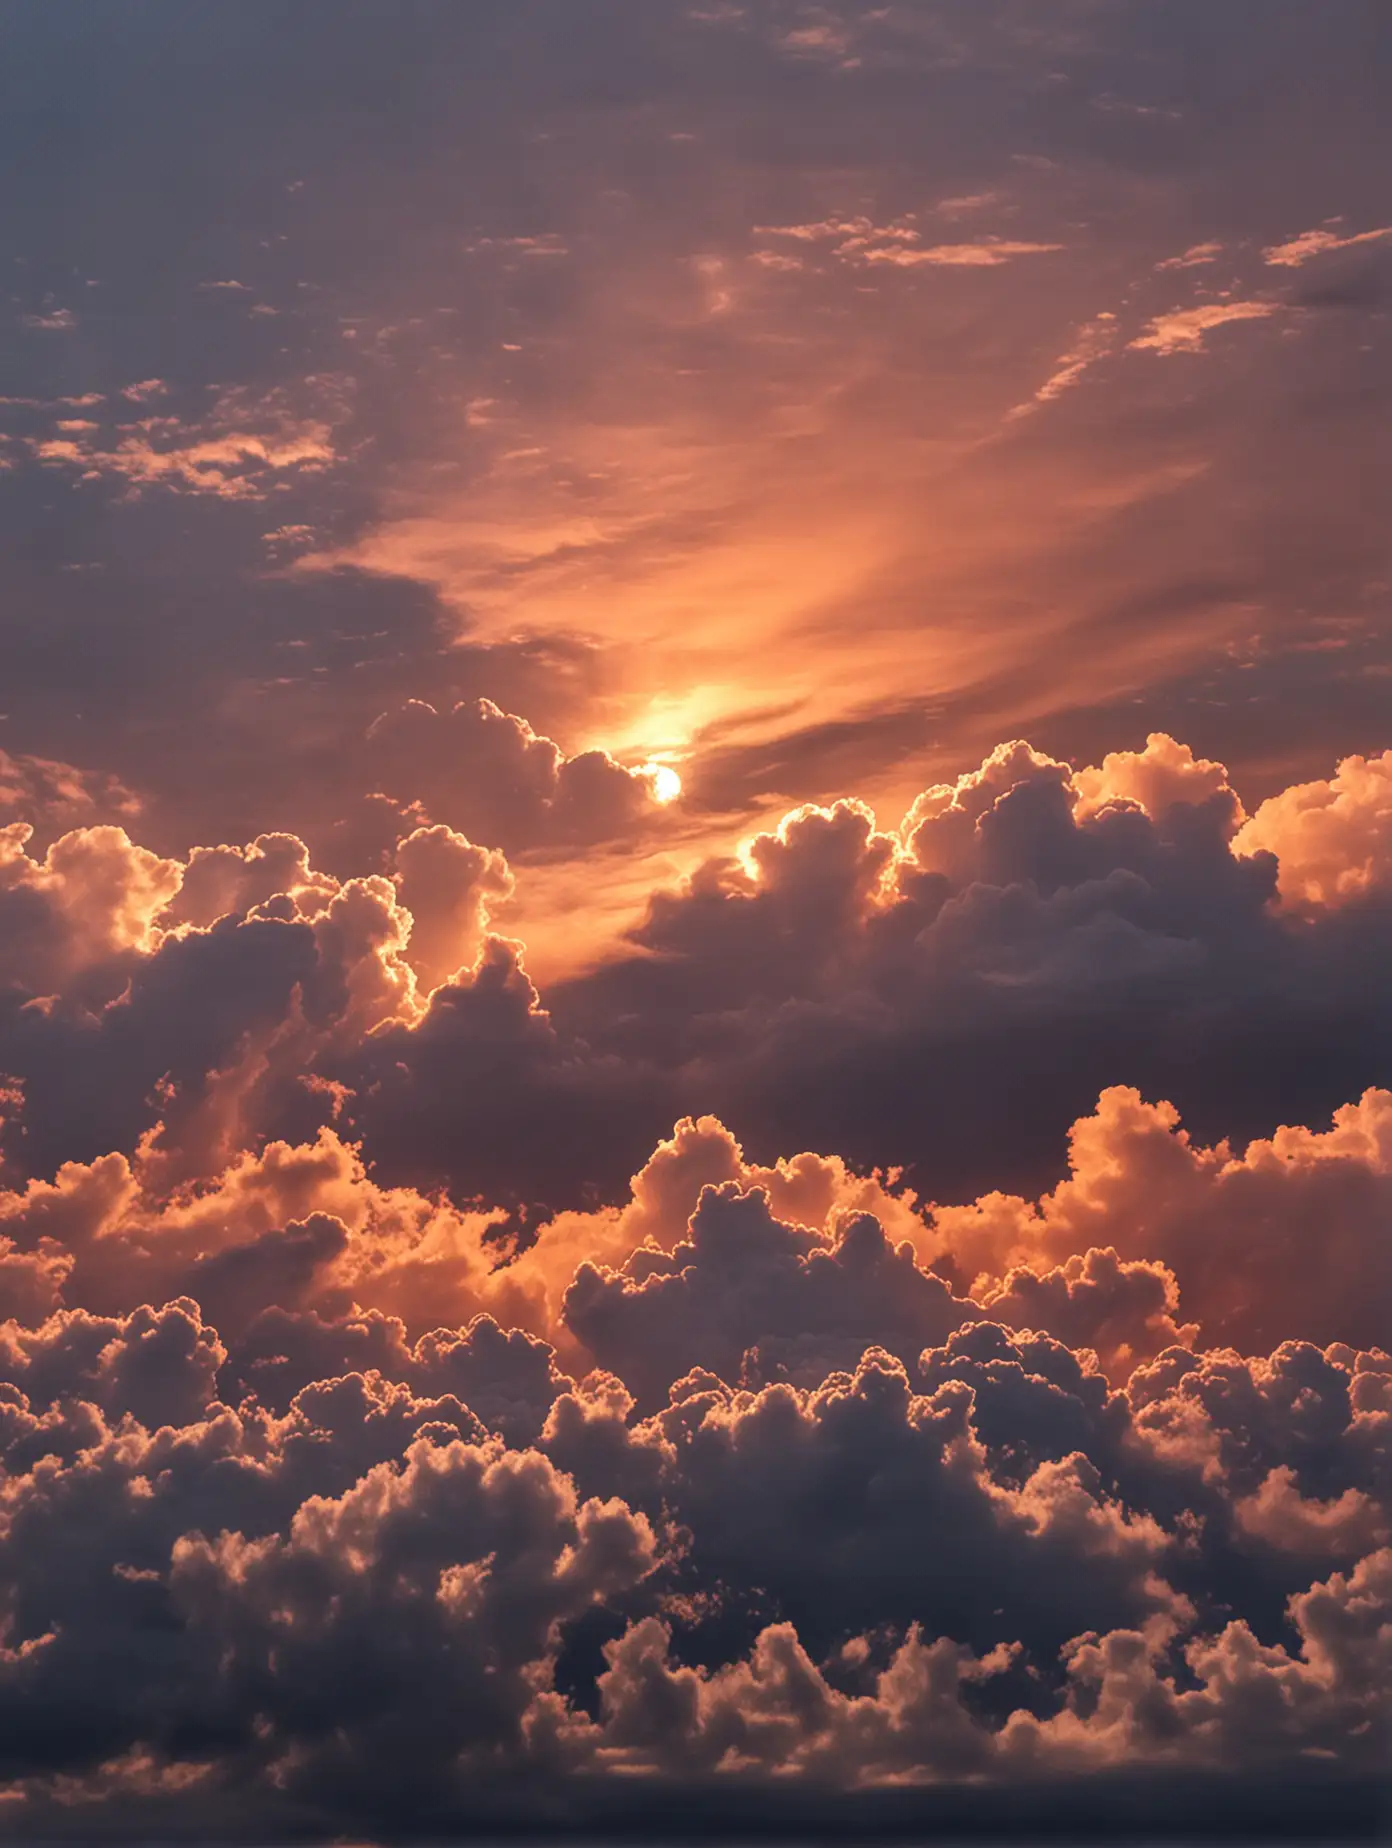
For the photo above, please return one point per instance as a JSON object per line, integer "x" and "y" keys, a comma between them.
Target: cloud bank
{"x": 411, "y": 1382}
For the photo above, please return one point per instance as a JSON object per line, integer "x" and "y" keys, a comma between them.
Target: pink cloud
{"x": 1184, "y": 330}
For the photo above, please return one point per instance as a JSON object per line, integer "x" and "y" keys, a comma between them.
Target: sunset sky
{"x": 695, "y": 915}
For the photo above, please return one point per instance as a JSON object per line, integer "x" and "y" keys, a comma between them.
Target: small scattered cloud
{"x": 989, "y": 253}
{"x": 241, "y": 450}
{"x": 1110, "y": 104}
{"x": 1094, "y": 340}
{"x": 1319, "y": 243}
{"x": 547, "y": 244}
{"x": 966, "y": 203}
{"x": 1193, "y": 258}
{"x": 899, "y": 244}
{"x": 51, "y": 320}
{"x": 1184, "y": 330}
{"x": 288, "y": 538}
{"x": 821, "y": 36}
{"x": 859, "y": 227}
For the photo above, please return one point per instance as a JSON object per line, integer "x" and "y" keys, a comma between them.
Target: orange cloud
{"x": 1333, "y": 838}
{"x": 1286, "y": 1234}
{"x": 1184, "y": 330}
{"x": 1310, "y": 244}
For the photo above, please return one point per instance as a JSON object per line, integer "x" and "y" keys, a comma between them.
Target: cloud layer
{"x": 364, "y": 1432}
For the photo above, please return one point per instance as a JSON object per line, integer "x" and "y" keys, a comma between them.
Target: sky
{"x": 695, "y": 905}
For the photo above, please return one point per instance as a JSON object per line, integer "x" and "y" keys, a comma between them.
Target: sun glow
{"x": 666, "y": 784}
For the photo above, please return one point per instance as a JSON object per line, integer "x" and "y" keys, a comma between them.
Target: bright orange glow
{"x": 666, "y": 784}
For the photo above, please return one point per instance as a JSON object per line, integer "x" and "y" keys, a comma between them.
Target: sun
{"x": 666, "y": 785}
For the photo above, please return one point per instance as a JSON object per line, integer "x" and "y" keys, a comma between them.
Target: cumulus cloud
{"x": 745, "y": 1294}
{"x": 1164, "y": 773}
{"x": 1333, "y": 838}
{"x": 93, "y": 896}
{"x": 369, "y": 1579}
{"x": 1030, "y": 933}
{"x": 233, "y": 881}
{"x": 370, "y": 1405}
{"x": 818, "y": 1192}
{"x": 291, "y": 1227}
{"x": 777, "y": 1712}
{"x": 1024, "y": 899}
{"x": 486, "y": 772}
{"x": 1288, "y": 1233}
{"x": 447, "y": 884}
{"x": 205, "y": 992}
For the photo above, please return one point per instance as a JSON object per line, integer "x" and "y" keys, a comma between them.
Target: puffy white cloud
{"x": 1164, "y": 773}
{"x": 448, "y": 885}
{"x": 1288, "y": 1234}
{"x": 94, "y": 896}
{"x": 1333, "y": 839}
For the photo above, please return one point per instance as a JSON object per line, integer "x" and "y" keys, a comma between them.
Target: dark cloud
{"x": 747, "y": 1295}
{"x": 487, "y": 773}
{"x": 1026, "y": 944}
{"x": 370, "y": 1568}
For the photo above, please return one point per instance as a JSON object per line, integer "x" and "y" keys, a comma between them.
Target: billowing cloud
{"x": 485, "y": 771}
{"x": 1055, "y": 1521}
{"x": 93, "y": 896}
{"x": 511, "y": 1495}
{"x": 1306, "y": 1207}
{"x": 1333, "y": 838}
{"x": 245, "y": 1560}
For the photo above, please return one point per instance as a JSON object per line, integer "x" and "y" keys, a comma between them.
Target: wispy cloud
{"x": 1095, "y": 339}
{"x": 241, "y": 450}
{"x": 824, "y": 36}
{"x": 989, "y": 253}
{"x": 859, "y": 227}
{"x": 548, "y": 244}
{"x": 964, "y": 203}
{"x": 899, "y": 244}
{"x": 1193, "y": 258}
{"x": 1184, "y": 330}
{"x": 1318, "y": 243}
